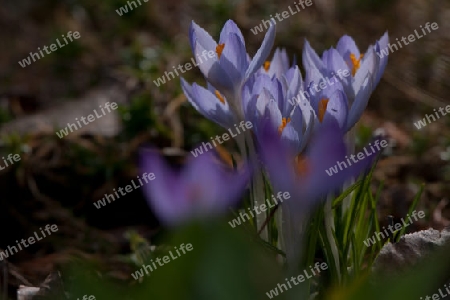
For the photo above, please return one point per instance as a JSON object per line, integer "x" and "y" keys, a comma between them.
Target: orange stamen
{"x": 355, "y": 62}
{"x": 322, "y": 108}
{"x": 284, "y": 122}
{"x": 267, "y": 66}
{"x": 219, "y": 96}
{"x": 219, "y": 49}
{"x": 302, "y": 166}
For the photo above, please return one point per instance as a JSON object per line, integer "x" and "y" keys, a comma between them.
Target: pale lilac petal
{"x": 360, "y": 103}
{"x": 213, "y": 71}
{"x": 208, "y": 104}
{"x": 381, "y": 61}
{"x": 262, "y": 53}
{"x": 233, "y": 59}
{"x": 279, "y": 63}
{"x": 200, "y": 36}
{"x": 272, "y": 114}
{"x": 310, "y": 58}
{"x": 291, "y": 137}
{"x": 347, "y": 46}
{"x": 230, "y": 27}
{"x": 337, "y": 108}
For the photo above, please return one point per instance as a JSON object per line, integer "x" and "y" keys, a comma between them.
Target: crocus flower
{"x": 359, "y": 73}
{"x": 305, "y": 175}
{"x": 201, "y": 190}
{"x": 231, "y": 66}
{"x": 271, "y": 100}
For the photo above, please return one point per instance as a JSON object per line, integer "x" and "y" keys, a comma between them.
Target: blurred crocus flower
{"x": 359, "y": 73}
{"x": 304, "y": 175}
{"x": 231, "y": 66}
{"x": 203, "y": 189}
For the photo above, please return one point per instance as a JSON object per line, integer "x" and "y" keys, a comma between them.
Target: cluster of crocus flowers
{"x": 347, "y": 99}
{"x": 299, "y": 130}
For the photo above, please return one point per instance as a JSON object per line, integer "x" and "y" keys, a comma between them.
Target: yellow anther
{"x": 219, "y": 49}
{"x": 322, "y": 108}
{"x": 355, "y": 62}
{"x": 267, "y": 65}
{"x": 284, "y": 122}
{"x": 219, "y": 96}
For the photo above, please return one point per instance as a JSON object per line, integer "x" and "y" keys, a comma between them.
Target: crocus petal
{"x": 262, "y": 53}
{"x": 165, "y": 201}
{"x": 280, "y": 63}
{"x": 262, "y": 101}
{"x": 230, "y": 27}
{"x": 272, "y": 114}
{"x": 337, "y": 109}
{"x": 212, "y": 70}
{"x": 202, "y": 37}
{"x": 233, "y": 59}
{"x": 276, "y": 158}
{"x": 208, "y": 104}
{"x": 290, "y": 136}
{"x": 381, "y": 59}
{"x": 336, "y": 66}
{"x": 295, "y": 84}
{"x": 347, "y": 46}
{"x": 360, "y": 103}
{"x": 327, "y": 148}
{"x": 368, "y": 66}
{"x": 310, "y": 58}
{"x": 297, "y": 120}
{"x": 208, "y": 182}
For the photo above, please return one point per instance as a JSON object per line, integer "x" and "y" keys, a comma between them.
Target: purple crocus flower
{"x": 305, "y": 178}
{"x": 305, "y": 175}
{"x": 202, "y": 189}
{"x": 271, "y": 101}
{"x": 359, "y": 73}
{"x": 231, "y": 66}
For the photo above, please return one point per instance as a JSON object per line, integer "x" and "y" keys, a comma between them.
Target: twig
{"x": 270, "y": 216}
